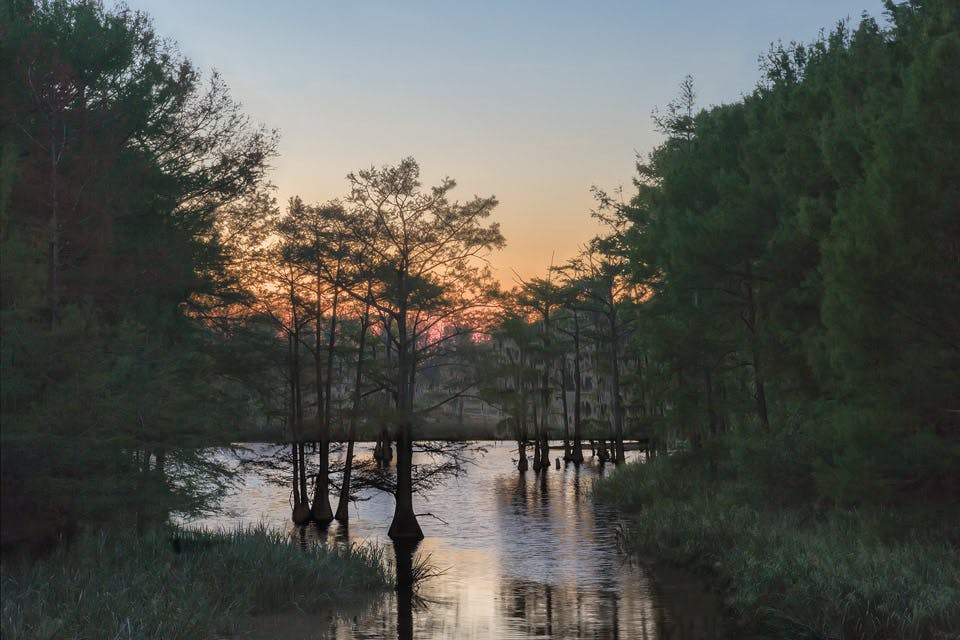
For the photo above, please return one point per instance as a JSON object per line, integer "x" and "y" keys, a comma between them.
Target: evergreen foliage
{"x": 119, "y": 161}
{"x": 802, "y": 250}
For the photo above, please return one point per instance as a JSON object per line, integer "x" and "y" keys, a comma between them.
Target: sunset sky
{"x": 531, "y": 101}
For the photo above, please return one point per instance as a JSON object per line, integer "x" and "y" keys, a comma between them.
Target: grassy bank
{"x": 795, "y": 568}
{"x": 179, "y": 585}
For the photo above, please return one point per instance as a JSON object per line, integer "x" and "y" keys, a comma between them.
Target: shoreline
{"x": 795, "y": 569}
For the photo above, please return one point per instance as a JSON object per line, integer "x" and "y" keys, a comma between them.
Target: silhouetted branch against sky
{"x": 535, "y": 101}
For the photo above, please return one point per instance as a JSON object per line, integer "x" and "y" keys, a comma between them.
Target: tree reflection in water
{"x": 406, "y": 581}
{"x": 523, "y": 556}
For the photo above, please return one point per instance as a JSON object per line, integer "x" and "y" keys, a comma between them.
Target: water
{"x": 517, "y": 556}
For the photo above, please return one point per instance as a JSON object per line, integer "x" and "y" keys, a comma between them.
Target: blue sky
{"x": 531, "y": 101}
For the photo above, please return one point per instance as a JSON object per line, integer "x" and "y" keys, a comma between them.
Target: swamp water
{"x": 513, "y": 556}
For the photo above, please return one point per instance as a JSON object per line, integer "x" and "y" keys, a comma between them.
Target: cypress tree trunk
{"x": 343, "y": 514}
{"x": 301, "y": 511}
{"x": 296, "y": 475}
{"x": 321, "y": 510}
{"x": 577, "y": 390}
{"x": 404, "y": 525}
{"x": 543, "y": 433}
{"x": 545, "y": 396}
{"x": 536, "y": 440}
{"x": 521, "y": 422}
{"x": 302, "y": 461}
{"x": 388, "y": 359}
{"x": 615, "y": 399}
{"x": 567, "y": 452}
{"x": 522, "y": 464}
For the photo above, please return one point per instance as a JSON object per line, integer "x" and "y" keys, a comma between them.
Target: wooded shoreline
{"x": 772, "y": 308}
{"x": 787, "y": 567}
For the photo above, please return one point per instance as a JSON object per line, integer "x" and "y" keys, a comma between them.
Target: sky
{"x": 530, "y": 101}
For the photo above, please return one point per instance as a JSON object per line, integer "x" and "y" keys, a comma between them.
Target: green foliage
{"x": 892, "y": 281}
{"x": 116, "y": 167}
{"x": 776, "y": 469}
{"x": 801, "y": 250}
{"x": 179, "y": 584}
{"x": 796, "y": 570}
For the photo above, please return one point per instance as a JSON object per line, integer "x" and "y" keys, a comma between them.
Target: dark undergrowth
{"x": 795, "y": 568}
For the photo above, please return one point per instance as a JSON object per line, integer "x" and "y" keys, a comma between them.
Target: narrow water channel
{"x": 514, "y": 556}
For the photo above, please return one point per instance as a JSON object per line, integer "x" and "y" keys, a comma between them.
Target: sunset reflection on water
{"x": 521, "y": 556}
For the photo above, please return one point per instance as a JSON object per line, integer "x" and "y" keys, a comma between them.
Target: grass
{"x": 797, "y": 570}
{"x": 123, "y": 586}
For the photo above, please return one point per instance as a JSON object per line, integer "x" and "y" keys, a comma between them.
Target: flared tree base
{"x": 405, "y": 527}
{"x": 321, "y": 512}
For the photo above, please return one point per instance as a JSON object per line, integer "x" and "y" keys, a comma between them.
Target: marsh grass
{"x": 798, "y": 570}
{"x": 123, "y": 586}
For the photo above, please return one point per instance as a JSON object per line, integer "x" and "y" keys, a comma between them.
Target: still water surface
{"x": 518, "y": 556}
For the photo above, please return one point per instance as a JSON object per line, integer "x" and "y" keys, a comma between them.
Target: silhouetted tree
{"x": 427, "y": 254}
